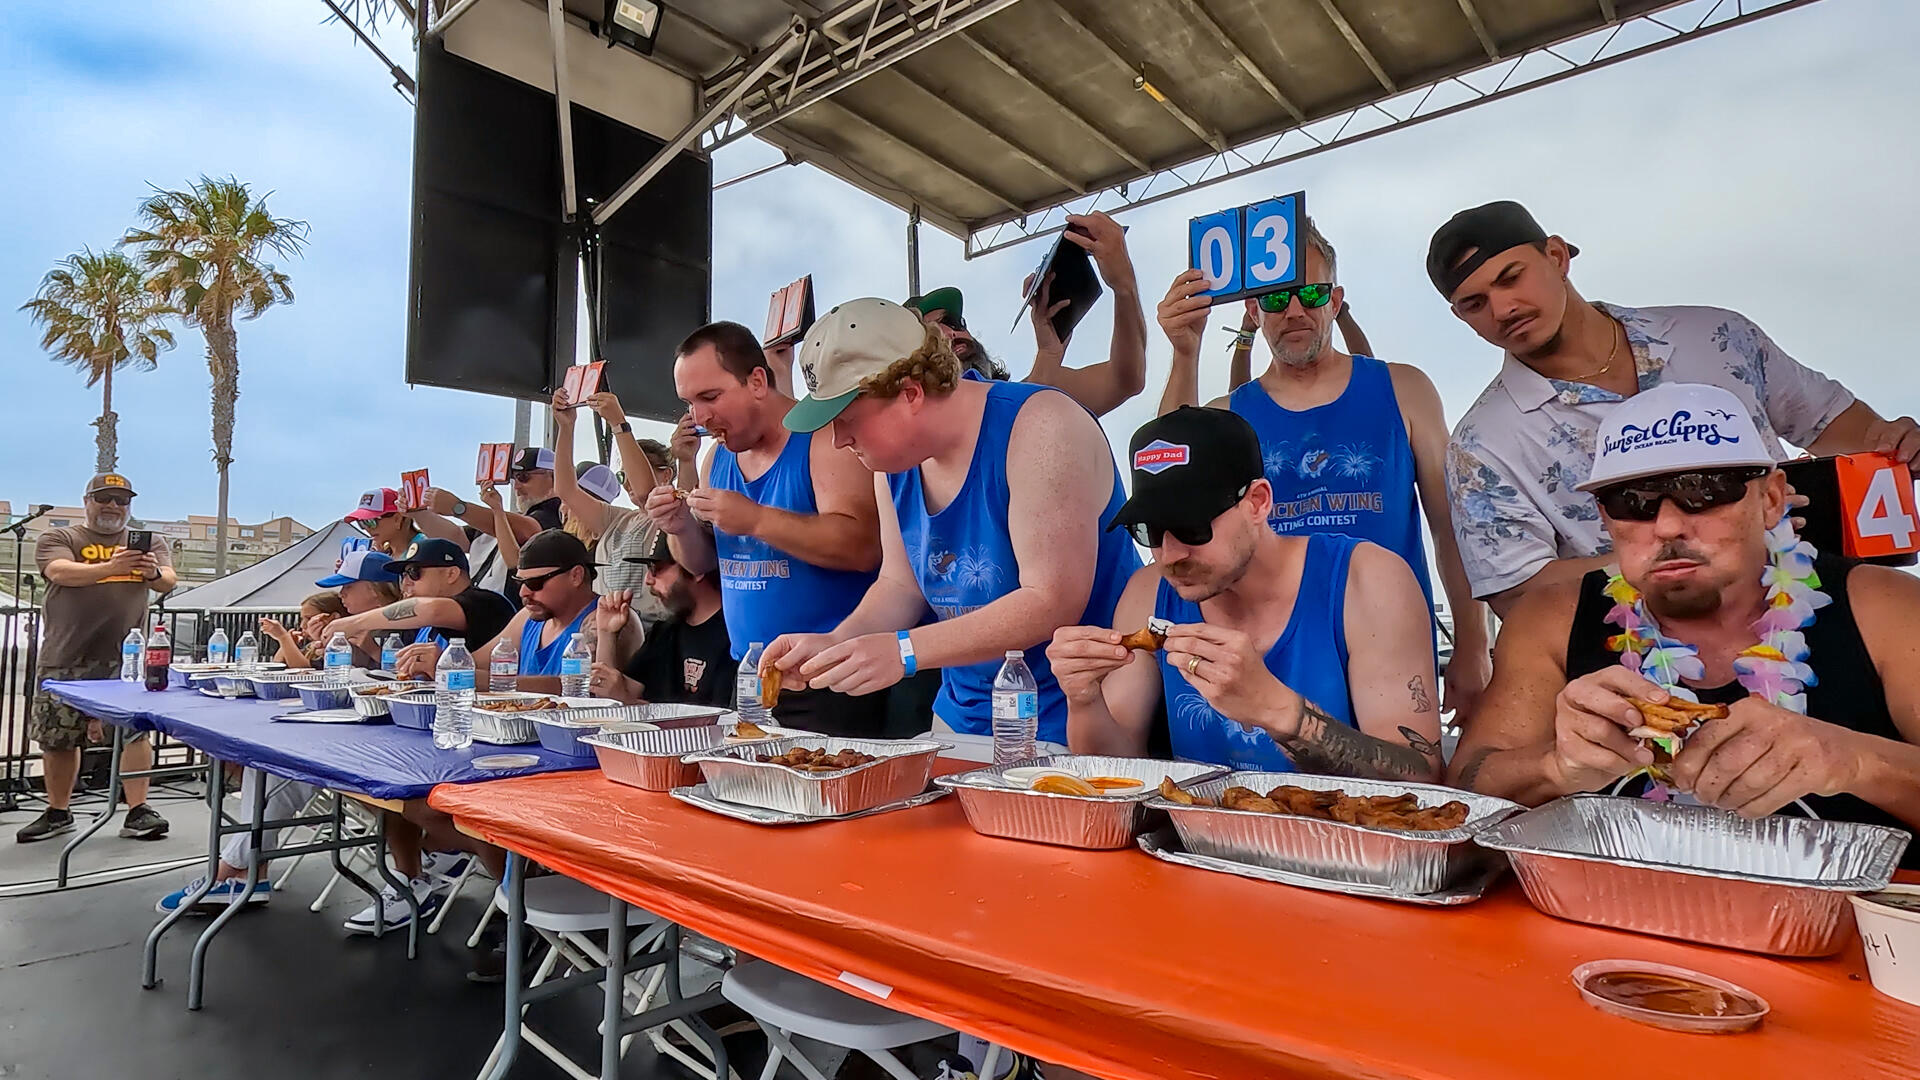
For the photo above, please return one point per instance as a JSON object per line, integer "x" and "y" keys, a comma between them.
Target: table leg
{"x": 339, "y": 864}
{"x": 216, "y": 796}
{"x": 113, "y": 803}
{"x": 516, "y": 951}
{"x": 256, "y": 834}
{"x": 405, "y": 888}
{"x": 675, "y": 996}
{"x": 616, "y": 989}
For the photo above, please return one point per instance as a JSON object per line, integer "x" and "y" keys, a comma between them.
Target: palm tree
{"x": 100, "y": 317}
{"x": 204, "y": 249}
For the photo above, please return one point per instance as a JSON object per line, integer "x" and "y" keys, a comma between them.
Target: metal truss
{"x": 1504, "y": 77}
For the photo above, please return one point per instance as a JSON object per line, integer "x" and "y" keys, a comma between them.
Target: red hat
{"x": 376, "y": 503}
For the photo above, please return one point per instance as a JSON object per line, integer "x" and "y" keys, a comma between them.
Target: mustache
{"x": 1181, "y": 568}
{"x": 1675, "y": 549}
{"x": 1507, "y": 324}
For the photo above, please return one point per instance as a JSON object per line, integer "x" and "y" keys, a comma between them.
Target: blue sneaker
{"x": 217, "y": 897}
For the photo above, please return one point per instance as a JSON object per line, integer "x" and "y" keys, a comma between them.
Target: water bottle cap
{"x": 1016, "y": 654}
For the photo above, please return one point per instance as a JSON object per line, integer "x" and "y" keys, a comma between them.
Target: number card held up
{"x": 413, "y": 489}
{"x": 1252, "y": 249}
{"x": 492, "y": 465}
{"x": 582, "y": 381}
{"x": 789, "y": 313}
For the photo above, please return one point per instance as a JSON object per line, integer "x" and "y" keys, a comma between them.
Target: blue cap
{"x": 428, "y": 554}
{"x": 360, "y": 565}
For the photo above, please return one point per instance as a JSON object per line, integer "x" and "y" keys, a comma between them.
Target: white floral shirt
{"x": 1518, "y": 453}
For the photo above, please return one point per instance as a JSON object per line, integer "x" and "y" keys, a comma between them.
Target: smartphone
{"x": 140, "y": 539}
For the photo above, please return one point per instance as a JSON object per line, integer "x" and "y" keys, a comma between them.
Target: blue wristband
{"x": 908, "y": 661}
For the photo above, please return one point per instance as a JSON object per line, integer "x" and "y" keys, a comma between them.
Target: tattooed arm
{"x": 1509, "y": 745}
{"x": 405, "y": 615}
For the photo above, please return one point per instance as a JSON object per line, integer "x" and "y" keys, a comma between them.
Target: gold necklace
{"x": 1611, "y": 351}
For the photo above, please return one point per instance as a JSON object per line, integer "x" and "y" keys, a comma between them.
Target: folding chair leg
{"x": 446, "y": 905}
{"x": 895, "y": 1069}
{"x": 493, "y": 905}
{"x": 779, "y": 1046}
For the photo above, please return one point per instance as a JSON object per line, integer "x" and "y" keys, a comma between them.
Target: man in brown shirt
{"x": 97, "y": 590}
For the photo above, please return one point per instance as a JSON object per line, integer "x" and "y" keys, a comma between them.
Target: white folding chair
{"x": 786, "y": 1004}
{"x": 564, "y": 912}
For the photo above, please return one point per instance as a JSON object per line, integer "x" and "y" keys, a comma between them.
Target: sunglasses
{"x": 1152, "y": 536}
{"x": 112, "y": 499}
{"x": 1692, "y": 492}
{"x": 1311, "y": 296}
{"x": 535, "y": 584}
{"x": 413, "y": 573}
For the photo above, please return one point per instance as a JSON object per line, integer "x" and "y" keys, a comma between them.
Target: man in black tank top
{"x": 1687, "y": 496}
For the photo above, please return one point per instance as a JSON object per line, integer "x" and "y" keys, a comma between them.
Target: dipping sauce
{"x": 1105, "y": 784}
{"x": 1899, "y": 901}
{"x": 1669, "y": 994}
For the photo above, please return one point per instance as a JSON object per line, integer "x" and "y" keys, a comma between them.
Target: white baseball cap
{"x": 853, "y": 342}
{"x": 1675, "y": 427}
{"x": 600, "y": 483}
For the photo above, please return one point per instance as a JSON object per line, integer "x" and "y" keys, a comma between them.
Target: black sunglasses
{"x": 1692, "y": 492}
{"x": 535, "y": 584}
{"x": 114, "y": 498}
{"x": 413, "y": 573}
{"x": 1152, "y": 536}
{"x": 1311, "y": 296}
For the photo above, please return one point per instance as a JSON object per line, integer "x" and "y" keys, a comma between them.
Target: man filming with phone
{"x": 97, "y": 586}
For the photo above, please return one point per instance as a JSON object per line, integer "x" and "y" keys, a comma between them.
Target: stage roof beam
{"x": 1085, "y": 124}
{"x": 1479, "y": 29}
{"x": 1141, "y": 80}
{"x": 1360, "y": 49}
{"x": 1205, "y": 19}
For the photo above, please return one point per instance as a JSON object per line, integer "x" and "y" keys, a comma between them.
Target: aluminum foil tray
{"x": 1776, "y": 885}
{"x": 659, "y": 715}
{"x": 900, "y": 773}
{"x": 1096, "y": 822}
{"x": 1402, "y": 860}
{"x": 651, "y": 757}
{"x": 412, "y": 710}
{"x": 1164, "y": 845}
{"x": 702, "y": 796}
{"x": 503, "y": 729}
{"x": 371, "y": 705}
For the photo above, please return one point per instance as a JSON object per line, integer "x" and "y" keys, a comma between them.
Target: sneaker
{"x": 394, "y": 907}
{"x": 143, "y": 823}
{"x": 956, "y": 1066}
{"x": 50, "y": 823}
{"x": 443, "y": 868}
{"x": 217, "y": 897}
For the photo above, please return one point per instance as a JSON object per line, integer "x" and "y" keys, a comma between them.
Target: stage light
{"x": 633, "y": 23}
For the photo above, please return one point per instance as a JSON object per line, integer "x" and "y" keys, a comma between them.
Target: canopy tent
{"x": 276, "y": 583}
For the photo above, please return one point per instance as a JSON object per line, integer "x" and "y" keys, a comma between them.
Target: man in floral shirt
{"x": 1519, "y": 453}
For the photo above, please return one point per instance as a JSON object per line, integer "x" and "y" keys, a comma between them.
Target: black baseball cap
{"x": 658, "y": 555}
{"x": 1485, "y": 231}
{"x": 555, "y": 549}
{"x": 1189, "y": 467}
{"x": 428, "y": 554}
{"x": 531, "y": 458}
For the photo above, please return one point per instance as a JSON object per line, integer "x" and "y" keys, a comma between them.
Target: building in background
{"x": 191, "y": 539}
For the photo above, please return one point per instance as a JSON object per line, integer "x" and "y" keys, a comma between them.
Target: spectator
{"x": 788, "y": 520}
{"x": 441, "y": 602}
{"x": 97, "y": 590}
{"x": 996, "y": 492}
{"x": 627, "y": 537}
{"x": 944, "y": 309}
{"x": 1521, "y": 452}
{"x": 1103, "y": 387}
{"x": 687, "y": 659}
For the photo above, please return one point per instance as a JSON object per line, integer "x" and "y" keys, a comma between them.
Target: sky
{"x": 1767, "y": 169}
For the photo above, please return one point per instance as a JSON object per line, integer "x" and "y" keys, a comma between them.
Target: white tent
{"x": 278, "y": 582}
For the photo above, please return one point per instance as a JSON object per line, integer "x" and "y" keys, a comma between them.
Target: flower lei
{"x": 1774, "y": 669}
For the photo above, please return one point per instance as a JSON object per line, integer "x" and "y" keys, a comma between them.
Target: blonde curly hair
{"x": 933, "y": 365}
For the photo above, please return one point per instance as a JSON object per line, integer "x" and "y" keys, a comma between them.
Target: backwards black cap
{"x": 555, "y": 549}
{"x": 1484, "y": 231}
{"x": 1189, "y": 467}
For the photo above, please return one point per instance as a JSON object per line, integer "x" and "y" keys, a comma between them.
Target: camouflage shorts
{"x": 56, "y": 725}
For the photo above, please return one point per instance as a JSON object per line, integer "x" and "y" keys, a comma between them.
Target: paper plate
{"x": 506, "y": 761}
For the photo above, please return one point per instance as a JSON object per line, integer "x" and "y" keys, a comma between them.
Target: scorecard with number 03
{"x": 1250, "y": 250}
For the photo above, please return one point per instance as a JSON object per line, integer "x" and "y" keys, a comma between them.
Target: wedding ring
{"x": 1193, "y": 666}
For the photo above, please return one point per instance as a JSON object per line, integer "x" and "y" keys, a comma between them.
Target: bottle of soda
{"x": 130, "y": 655}
{"x": 503, "y": 670}
{"x": 453, "y": 697}
{"x": 746, "y": 686}
{"x": 217, "y": 647}
{"x": 159, "y": 658}
{"x": 1016, "y": 710}
{"x": 575, "y": 665}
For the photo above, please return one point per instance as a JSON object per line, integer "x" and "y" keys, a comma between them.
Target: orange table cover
{"x": 1129, "y": 968}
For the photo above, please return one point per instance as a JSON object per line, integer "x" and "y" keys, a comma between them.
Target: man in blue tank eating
{"x": 991, "y": 496}
{"x": 1273, "y": 652}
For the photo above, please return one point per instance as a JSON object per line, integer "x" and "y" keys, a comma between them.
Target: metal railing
{"x": 20, "y": 634}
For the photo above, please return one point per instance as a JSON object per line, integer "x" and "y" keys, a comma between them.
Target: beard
{"x": 1307, "y": 354}
{"x": 107, "y": 521}
{"x": 678, "y": 599}
{"x": 1683, "y": 600}
{"x": 1197, "y": 582}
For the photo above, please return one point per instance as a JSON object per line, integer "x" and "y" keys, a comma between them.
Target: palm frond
{"x": 99, "y": 314}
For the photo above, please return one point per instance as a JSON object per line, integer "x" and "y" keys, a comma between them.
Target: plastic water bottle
{"x": 130, "y": 651}
{"x": 390, "y": 653}
{"x": 453, "y": 697}
{"x": 339, "y": 659}
{"x": 217, "y": 649}
{"x": 247, "y": 653}
{"x": 159, "y": 659}
{"x": 575, "y": 663}
{"x": 504, "y": 668}
{"x": 1016, "y": 710}
{"x": 746, "y": 686}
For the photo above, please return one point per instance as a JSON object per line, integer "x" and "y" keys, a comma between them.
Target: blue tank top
{"x": 536, "y": 660}
{"x": 1344, "y": 467}
{"x": 963, "y": 558}
{"x": 764, "y": 591}
{"x": 1310, "y": 656}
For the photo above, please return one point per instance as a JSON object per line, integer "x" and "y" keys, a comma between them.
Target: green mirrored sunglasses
{"x": 1311, "y": 296}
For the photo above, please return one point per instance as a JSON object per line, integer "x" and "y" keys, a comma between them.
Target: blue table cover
{"x": 374, "y": 759}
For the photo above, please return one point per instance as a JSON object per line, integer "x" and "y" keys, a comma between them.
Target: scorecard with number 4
{"x": 1249, "y": 250}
